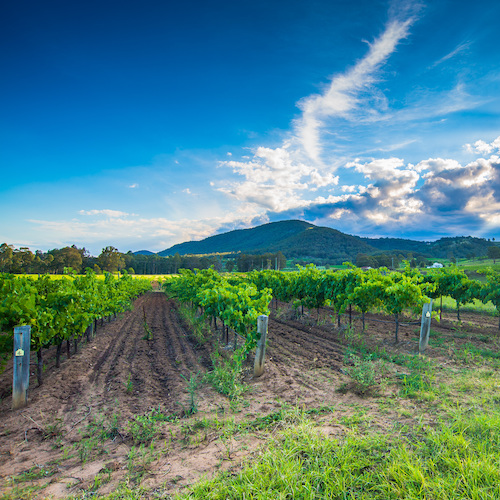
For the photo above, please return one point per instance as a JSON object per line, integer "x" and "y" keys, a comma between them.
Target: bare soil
{"x": 120, "y": 375}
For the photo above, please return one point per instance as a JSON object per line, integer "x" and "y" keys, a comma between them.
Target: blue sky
{"x": 145, "y": 124}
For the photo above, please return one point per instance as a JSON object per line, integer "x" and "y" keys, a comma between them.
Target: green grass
{"x": 456, "y": 459}
{"x": 450, "y": 304}
{"x": 470, "y": 265}
{"x": 475, "y": 265}
{"x": 225, "y": 377}
{"x": 450, "y": 450}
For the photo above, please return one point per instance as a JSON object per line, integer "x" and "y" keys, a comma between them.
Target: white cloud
{"x": 106, "y": 212}
{"x": 126, "y": 231}
{"x": 481, "y": 147}
{"x": 436, "y": 166}
{"x": 349, "y": 90}
{"x": 397, "y": 196}
{"x": 393, "y": 147}
{"x": 275, "y": 178}
{"x": 439, "y": 195}
{"x": 457, "y": 50}
{"x": 133, "y": 186}
{"x": 283, "y": 178}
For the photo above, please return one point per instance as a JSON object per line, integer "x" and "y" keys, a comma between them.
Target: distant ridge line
{"x": 300, "y": 239}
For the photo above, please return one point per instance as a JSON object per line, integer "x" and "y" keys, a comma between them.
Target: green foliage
{"x": 148, "y": 333}
{"x": 363, "y": 373}
{"x": 143, "y": 428}
{"x": 226, "y": 377}
{"x": 490, "y": 291}
{"x": 192, "y": 386}
{"x": 60, "y": 309}
{"x": 129, "y": 386}
{"x": 454, "y": 283}
{"x": 236, "y": 302}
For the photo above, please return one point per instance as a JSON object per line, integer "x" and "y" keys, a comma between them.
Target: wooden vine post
{"x": 425, "y": 327}
{"x": 21, "y": 378}
{"x": 260, "y": 353}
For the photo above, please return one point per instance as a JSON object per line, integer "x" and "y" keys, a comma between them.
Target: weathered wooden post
{"x": 425, "y": 328}
{"x": 260, "y": 353}
{"x": 21, "y": 378}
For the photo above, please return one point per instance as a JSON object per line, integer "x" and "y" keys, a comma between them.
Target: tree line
{"x": 59, "y": 260}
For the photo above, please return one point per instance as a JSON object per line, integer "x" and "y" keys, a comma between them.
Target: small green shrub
{"x": 143, "y": 428}
{"x": 363, "y": 373}
{"x": 225, "y": 377}
{"x": 193, "y": 385}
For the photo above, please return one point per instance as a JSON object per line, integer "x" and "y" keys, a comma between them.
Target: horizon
{"x": 155, "y": 125}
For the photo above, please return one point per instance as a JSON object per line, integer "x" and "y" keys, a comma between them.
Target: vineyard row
{"x": 63, "y": 309}
{"x": 239, "y": 299}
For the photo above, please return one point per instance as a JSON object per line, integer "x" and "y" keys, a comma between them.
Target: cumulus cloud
{"x": 311, "y": 174}
{"x": 451, "y": 190}
{"x": 435, "y": 197}
{"x": 275, "y": 179}
{"x": 481, "y": 147}
{"x": 286, "y": 177}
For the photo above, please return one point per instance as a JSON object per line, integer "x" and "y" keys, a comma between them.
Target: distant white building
{"x": 436, "y": 265}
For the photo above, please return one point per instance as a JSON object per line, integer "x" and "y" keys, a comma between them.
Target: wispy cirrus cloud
{"x": 282, "y": 178}
{"x": 311, "y": 174}
{"x": 462, "y": 47}
{"x": 350, "y": 91}
{"x": 286, "y": 177}
{"x": 106, "y": 212}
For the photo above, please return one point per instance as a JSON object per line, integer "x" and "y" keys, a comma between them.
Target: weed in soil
{"x": 226, "y": 377}
{"x": 192, "y": 386}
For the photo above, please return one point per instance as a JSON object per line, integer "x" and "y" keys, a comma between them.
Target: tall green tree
{"x": 111, "y": 259}
{"x": 494, "y": 253}
{"x": 66, "y": 257}
{"x": 22, "y": 259}
{"x": 6, "y": 253}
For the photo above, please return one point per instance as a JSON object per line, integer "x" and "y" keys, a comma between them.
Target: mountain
{"x": 143, "y": 252}
{"x": 459, "y": 247}
{"x": 244, "y": 240}
{"x": 295, "y": 238}
{"x": 302, "y": 240}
